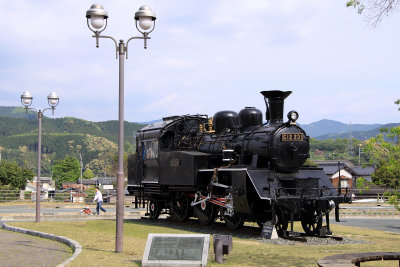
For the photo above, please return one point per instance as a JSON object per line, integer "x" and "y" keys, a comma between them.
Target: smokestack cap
{"x": 276, "y": 99}
{"x": 276, "y": 94}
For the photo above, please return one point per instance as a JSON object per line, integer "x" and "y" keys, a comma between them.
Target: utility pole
{"x": 339, "y": 185}
{"x": 80, "y": 156}
{"x": 351, "y": 151}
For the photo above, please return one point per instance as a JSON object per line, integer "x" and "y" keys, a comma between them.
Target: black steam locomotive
{"x": 233, "y": 167}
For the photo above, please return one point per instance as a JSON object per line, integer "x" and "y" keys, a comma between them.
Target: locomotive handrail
{"x": 278, "y": 190}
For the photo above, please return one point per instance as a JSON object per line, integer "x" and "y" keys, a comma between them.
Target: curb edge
{"x": 76, "y": 246}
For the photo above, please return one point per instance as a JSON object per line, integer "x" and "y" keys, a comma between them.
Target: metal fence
{"x": 66, "y": 195}
{"x": 11, "y": 195}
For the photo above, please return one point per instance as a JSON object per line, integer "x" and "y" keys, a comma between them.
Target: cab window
{"x": 150, "y": 149}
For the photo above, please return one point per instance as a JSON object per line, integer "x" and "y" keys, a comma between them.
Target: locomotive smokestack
{"x": 275, "y": 101}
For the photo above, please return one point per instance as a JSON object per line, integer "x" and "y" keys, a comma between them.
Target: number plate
{"x": 292, "y": 137}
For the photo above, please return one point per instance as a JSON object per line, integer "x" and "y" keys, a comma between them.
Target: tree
{"x": 13, "y": 175}
{"x": 363, "y": 184}
{"x": 385, "y": 154}
{"x": 397, "y": 102}
{"x": 88, "y": 174}
{"x": 113, "y": 167}
{"x": 393, "y": 199}
{"x": 374, "y": 10}
{"x": 66, "y": 170}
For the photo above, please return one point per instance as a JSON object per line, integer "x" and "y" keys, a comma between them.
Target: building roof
{"x": 68, "y": 183}
{"x": 331, "y": 167}
{"x": 42, "y": 179}
{"x": 106, "y": 181}
{"x": 363, "y": 171}
{"x": 333, "y": 162}
{"x": 89, "y": 182}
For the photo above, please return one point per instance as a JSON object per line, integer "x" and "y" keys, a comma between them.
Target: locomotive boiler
{"x": 233, "y": 167}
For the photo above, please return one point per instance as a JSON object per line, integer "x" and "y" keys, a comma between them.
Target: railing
{"x": 317, "y": 191}
{"x": 54, "y": 196}
{"x": 11, "y": 195}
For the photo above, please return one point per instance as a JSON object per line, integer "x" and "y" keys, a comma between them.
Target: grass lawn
{"x": 97, "y": 238}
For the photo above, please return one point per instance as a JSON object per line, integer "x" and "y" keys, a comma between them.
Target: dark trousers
{"x": 99, "y": 207}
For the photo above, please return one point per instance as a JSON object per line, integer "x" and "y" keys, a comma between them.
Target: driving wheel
{"x": 233, "y": 222}
{"x": 205, "y": 212}
{"x": 180, "y": 209}
{"x": 154, "y": 208}
{"x": 311, "y": 222}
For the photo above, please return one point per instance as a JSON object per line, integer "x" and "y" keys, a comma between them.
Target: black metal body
{"x": 243, "y": 171}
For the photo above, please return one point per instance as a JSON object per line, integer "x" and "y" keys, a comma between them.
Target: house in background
{"x": 47, "y": 183}
{"x": 339, "y": 173}
{"x": 103, "y": 183}
{"x": 89, "y": 183}
{"x": 365, "y": 172}
{"x": 107, "y": 183}
{"x": 348, "y": 177}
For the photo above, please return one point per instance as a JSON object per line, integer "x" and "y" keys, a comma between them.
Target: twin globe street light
{"x": 97, "y": 22}
{"x": 26, "y": 100}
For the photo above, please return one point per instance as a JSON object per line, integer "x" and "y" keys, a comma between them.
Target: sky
{"x": 203, "y": 57}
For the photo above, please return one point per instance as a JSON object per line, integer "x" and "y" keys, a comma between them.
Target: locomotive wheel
{"x": 205, "y": 212}
{"x": 233, "y": 222}
{"x": 311, "y": 222}
{"x": 154, "y": 208}
{"x": 180, "y": 209}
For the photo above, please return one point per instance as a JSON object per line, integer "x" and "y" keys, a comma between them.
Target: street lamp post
{"x": 26, "y": 100}
{"x": 97, "y": 22}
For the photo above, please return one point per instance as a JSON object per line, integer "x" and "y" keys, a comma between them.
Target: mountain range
{"x": 96, "y": 142}
{"x": 320, "y": 130}
{"x": 330, "y": 129}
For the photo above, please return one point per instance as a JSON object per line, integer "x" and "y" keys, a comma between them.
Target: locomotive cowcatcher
{"x": 233, "y": 167}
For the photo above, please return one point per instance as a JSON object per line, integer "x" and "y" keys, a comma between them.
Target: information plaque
{"x": 268, "y": 231}
{"x": 176, "y": 250}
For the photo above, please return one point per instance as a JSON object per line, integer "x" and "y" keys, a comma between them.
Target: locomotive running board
{"x": 259, "y": 178}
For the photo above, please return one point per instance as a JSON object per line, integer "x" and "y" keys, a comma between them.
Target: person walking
{"x": 99, "y": 198}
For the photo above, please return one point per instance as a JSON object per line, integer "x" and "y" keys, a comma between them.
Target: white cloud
{"x": 176, "y": 63}
{"x": 202, "y": 57}
{"x": 160, "y": 104}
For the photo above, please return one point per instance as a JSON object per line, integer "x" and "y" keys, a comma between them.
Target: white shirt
{"x": 98, "y": 196}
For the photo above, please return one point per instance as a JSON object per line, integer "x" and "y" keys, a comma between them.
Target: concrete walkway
{"x": 18, "y": 249}
{"x": 25, "y": 250}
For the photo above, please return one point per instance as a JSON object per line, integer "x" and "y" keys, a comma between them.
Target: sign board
{"x": 176, "y": 250}
{"x": 108, "y": 187}
{"x": 268, "y": 231}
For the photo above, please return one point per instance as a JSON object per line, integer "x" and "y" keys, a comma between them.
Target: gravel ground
{"x": 311, "y": 241}
{"x": 249, "y": 232}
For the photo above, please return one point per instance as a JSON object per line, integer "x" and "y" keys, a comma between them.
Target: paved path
{"x": 25, "y": 250}
{"x": 367, "y": 207}
{"x": 382, "y": 224}
{"x": 44, "y": 209}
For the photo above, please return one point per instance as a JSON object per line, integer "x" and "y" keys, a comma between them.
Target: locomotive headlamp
{"x": 293, "y": 116}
